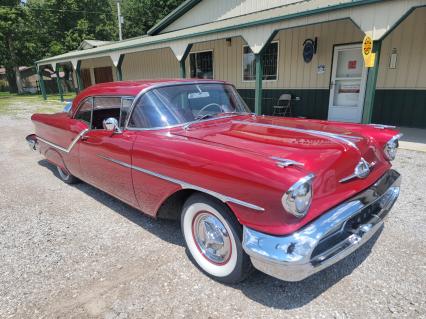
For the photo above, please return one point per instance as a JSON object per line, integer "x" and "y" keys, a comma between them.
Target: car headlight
{"x": 391, "y": 147}
{"x": 298, "y": 198}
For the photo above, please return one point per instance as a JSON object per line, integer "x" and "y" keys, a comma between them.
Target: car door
{"x": 105, "y": 156}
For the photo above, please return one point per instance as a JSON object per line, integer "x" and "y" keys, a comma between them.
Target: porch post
{"x": 58, "y": 83}
{"x": 370, "y": 88}
{"x": 78, "y": 76}
{"x": 41, "y": 82}
{"x": 258, "y": 89}
{"x": 119, "y": 69}
{"x": 182, "y": 65}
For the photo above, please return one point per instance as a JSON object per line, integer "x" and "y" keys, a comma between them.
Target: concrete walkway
{"x": 414, "y": 139}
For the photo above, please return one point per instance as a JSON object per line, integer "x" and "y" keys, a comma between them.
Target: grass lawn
{"x": 23, "y": 105}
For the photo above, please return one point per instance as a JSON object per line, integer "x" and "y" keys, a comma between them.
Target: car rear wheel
{"x": 66, "y": 176}
{"x": 213, "y": 238}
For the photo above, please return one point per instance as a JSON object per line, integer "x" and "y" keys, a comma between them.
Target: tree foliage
{"x": 34, "y": 29}
{"x": 141, "y": 15}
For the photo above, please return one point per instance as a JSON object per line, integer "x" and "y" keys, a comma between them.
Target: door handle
{"x": 84, "y": 138}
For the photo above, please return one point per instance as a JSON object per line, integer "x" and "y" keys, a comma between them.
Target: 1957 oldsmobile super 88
{"x": 288, "y": 196}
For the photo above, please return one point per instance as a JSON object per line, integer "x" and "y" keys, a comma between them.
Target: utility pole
{"x": 120, "y": 20}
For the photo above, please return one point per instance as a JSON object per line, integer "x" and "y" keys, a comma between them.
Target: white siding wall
{"x": 216, "y": 10}
{"x": 409, "y": 39}
{"x": 293, "y": 72}
{"x": 154, "y": 64}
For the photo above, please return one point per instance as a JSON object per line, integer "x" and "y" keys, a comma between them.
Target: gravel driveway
{"x": 76, "y": 252}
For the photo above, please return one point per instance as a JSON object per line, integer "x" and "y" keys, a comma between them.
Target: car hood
{"x": 329, "y": 150}
{"x": 319, "y": 145}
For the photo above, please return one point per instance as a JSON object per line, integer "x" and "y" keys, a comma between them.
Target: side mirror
{"x": 111, "y": 124}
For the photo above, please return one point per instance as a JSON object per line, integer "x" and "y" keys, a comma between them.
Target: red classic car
{"x": 289, "y": 196}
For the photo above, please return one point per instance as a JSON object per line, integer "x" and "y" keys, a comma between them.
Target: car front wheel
{"x": 213, "y": 238}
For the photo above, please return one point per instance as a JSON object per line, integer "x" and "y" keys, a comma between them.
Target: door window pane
{"x": 269, "y": 60}
{"x": 103, "y": 108}
{"x": 201, "y": 65}
{"x": 349, "y": 64}
{"x": 126, "y": 103}
{"x": 84, "y": 112}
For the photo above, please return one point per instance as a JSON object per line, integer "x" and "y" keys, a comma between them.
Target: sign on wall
{"x": 367, "y": 52}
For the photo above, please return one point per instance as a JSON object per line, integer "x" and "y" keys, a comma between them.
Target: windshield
{"x": 179, "y": 104}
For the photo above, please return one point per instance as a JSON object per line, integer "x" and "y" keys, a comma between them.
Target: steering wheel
{"x": 207, "y": 106}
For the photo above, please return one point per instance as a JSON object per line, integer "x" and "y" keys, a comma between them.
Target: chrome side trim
{"x": 69, "y": 148}
{"x": 382, "y": 126}
{"x": 185, "y": 185}
{"x": 284, "y": 162}
{"x": 339, "y": 137}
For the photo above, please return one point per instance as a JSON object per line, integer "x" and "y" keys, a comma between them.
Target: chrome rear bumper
{"x": 326, "y": 240}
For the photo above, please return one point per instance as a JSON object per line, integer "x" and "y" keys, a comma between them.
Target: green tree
{"x": 63, "y": 24}
{"x": 16, "y": 44}
{"x": 141, "y": 15}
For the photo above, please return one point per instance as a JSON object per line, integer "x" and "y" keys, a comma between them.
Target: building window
{"x": 201, "y": 65}
{"x": 270, "y": 63}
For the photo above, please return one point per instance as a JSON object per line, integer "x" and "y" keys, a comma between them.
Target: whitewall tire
{"x": 213, "y": 238}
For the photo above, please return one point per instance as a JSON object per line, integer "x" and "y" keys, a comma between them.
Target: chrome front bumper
{"x": 326, "y": 240}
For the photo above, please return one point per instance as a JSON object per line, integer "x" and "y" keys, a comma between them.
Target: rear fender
{"x": 54, "y": 157}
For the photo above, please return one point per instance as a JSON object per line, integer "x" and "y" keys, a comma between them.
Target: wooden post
{"x": 259, "y": 79}
{"x": 182, "y": 64}
{"x": 41, "y": 81}
{"x": 58, "y": 83}
{"x": 259, "y": 75}
{"x": 119, "y": 69}
{"x": 78, "y": 77}
{"x": 370, "y": 88}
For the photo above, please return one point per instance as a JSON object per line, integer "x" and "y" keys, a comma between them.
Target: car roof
{"x": 130, "y": 88}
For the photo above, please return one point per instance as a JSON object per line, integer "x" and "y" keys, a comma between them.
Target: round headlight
{"x": 298, "y": 198}
{"x": 391, "y": 147}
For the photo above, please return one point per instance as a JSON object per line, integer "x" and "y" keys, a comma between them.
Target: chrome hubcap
{"x": 212, "y": 238}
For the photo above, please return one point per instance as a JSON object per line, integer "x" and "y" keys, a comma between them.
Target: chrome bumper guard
{"x": 326, "y": 240}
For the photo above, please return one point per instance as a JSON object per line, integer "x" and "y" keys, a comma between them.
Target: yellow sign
{"x": 369, "y": 60}
{"x": 367, "y": 52}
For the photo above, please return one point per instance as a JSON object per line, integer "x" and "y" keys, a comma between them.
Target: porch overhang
{"x": 257, "y": 28}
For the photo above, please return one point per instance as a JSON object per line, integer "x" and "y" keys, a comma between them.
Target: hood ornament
{"x": 284, "y": 162}
{"x": 362, "y": 170}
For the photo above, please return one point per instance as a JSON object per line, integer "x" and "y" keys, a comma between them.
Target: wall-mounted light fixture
{"x": 393, "y": 59}
{"x": 228, "y": 42}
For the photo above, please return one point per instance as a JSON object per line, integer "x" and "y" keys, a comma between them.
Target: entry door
{"x": 347, "y": 88}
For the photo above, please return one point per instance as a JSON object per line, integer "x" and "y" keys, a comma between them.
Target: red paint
{"x": 221, "y": 156}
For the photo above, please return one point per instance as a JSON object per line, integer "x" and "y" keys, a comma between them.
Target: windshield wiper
{"x": 208, "y": 116}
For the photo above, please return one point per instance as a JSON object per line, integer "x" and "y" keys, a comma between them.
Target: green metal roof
{"x": 173, "y": 16}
